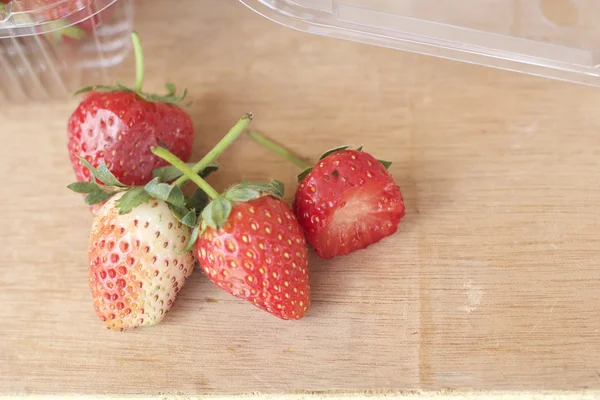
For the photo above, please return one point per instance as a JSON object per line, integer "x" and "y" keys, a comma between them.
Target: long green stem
{"x": 187, "y": 171}
{"x": 139, "y": 61}
{"x": 223, "y": 144}
{"x": 274, "y": 147}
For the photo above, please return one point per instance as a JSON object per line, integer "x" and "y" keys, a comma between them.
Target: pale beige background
{"x": 491, "y": 282}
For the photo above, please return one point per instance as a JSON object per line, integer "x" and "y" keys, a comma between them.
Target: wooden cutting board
{"x": 490, "y": 283}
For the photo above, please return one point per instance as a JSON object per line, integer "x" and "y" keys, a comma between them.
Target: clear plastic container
{"x": 558, "y": 39}
{"x": 51, "y": 48}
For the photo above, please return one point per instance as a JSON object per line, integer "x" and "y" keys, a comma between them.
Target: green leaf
{"x": 131, "y": 199}
{"x": 169, "y": 173}
{"x": 216, "y": 212}
{"x": 207, "y": 217}
{"x": 170, "y": 98}
{"x": 334, "y": 150}
{"x": 178, "y": 212}
{"x": 190, "y": 218}
{"x": 221, "y": 208}
{"x": 386, "y": 164}
{"x": 171, "y": 88}
{"x": 198, "y": 200}
{"x": 277, "y": 188}
{"x": 104, "y": 175}
{"x": 97, "y": 196}
{"x": 101, "y": 173}
{"x": 89, "y": 166}
{"x": 359, "y": 148}
{"x": 193, "y": 238}
{"x": 247, "y": 191}
{"x": 183, "y": 215}
{"x": 97, "y": 88}
{"x": 238, "y": 193}
{"x": 168, "y": 193}
{"x": 300, "y": 177}
{"x": 83, "y": 187}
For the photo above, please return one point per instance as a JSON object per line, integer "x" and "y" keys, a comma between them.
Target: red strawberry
{"x": 49, "y": 9}
{"x": 56, "y": 18}
{"x": 259, "y": 255}
{"x": 252, "y": 247}
{"x": 347, "y": 202}
{"x": 117, "y": 125}
{"x": 89, "y": 25}
{"x": 135, "y": 266}
{"x": 119, "y": 128}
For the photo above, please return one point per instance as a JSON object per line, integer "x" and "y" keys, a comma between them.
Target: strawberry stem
{"x": 275, "y": 148}
{"x": 187, "y": 171}
{"x": 223, "y": 144}
{"x": 139, "y": 61}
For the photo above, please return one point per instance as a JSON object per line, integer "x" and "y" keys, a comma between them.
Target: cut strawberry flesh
{"x": 363, "y": 217}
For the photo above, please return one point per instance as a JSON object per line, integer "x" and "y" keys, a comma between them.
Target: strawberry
{"x": 136, "y": 263}
{"x": 250, "y": 245}
{"x": 140, "y": 245}
{"x": 48, "y": 10}
{"x": 138, "y": 250}
{"x": 259, "y": 255}
{"x": 86, "y": 27}
{"x": 347, "y": 202}
{"x": 117, "y": 126}
{"x": 54, "y": 17}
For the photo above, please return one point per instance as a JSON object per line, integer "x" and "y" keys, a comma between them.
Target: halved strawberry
{"x": 347, "y": 202}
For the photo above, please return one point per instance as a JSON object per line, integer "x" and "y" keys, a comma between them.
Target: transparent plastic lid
{"x": 33, "y": 17}
{"x": 553, "y": 38}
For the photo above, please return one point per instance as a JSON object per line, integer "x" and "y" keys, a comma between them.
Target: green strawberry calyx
{"x": 288, "y": 155}
{"x": 218, "y": 210}
{"x": 170, "y": 97}
{"x": 104, "y": 185}
{"x": 300, "y": 177}
{"x": 216, "y": 213}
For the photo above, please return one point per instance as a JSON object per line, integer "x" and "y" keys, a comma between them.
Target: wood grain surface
{"x": 490, "y": 283}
